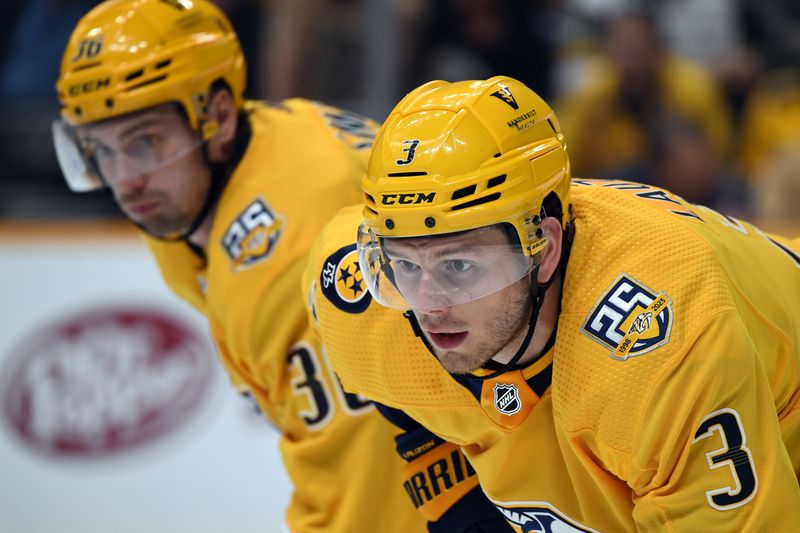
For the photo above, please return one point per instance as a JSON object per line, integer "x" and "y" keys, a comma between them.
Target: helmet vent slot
{"x": 162, "y": 64}
{"x": 495, "y": 181}
{"x": 147, "y": 82}
{"x": 461, "y": 193}
{"x": 87, "y": 65}
{"x": 477, "y": 201}
{"x": 135, "y": 74}
{"x": 406, "y": 174}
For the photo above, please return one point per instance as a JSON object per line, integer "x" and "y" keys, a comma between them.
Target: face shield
{"x": 437, "y": 272}
{"x": 91, "y": 160}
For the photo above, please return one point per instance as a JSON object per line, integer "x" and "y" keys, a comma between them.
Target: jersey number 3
{"x": 734, "y": 454}
{"x": 310, "y": 382}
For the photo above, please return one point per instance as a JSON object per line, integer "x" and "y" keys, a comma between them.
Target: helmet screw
{"x": 430, "y": 222}
{"x": 109, "y": 103}
{"x": 539, "y": 233}
{"x": 537, "y": 220}
{"x": 389, "y": 223}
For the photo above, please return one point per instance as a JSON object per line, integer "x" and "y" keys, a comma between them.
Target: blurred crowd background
{"x": 698, "y": 96}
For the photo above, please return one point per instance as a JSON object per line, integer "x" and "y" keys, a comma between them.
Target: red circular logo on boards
{"x": 105, "y": 381}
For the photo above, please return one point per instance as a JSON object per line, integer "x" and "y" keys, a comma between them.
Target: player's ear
{"x": 222, "y": 110}
{"x": 552, "y": 253}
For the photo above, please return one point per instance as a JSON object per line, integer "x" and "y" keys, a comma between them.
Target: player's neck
{"x": 546, "y": 323}
{"x": 202, "y": 234}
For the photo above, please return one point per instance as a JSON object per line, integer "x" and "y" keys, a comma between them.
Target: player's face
{"x": 466, "y": 335}
{"x": 152, "y": 163}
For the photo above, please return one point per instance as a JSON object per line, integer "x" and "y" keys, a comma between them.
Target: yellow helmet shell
{"x": 458, "y": 156}
{"x": 129, "y": 55}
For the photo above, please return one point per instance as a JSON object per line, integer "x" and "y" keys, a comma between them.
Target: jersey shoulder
{"x": 641, "y": 282}
{"x": 290, "y": 181}
{"x": 332, "y": 126}
{"x": 648, "y": 275}
{"x": 293, "y": 176}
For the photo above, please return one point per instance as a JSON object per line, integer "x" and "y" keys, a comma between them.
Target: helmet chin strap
{"x": 537, "y": 294}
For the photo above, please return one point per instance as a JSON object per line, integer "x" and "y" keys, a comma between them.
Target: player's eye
{"x": 144, "y": 146}
{"x": 407, "y": 267}
{"x": 460, "y": 266}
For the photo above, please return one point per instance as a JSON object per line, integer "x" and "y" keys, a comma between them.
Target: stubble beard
{"x": 165, "y": 225}
{"x": 164, "y": 221}
{"x": 504, "y": 329}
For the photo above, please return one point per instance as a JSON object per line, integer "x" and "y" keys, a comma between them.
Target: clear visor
{"x": 428, "y": 273}
{"x": 89, "y": 164}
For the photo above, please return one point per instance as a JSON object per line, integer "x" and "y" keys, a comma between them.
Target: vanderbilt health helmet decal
{"x": 252, "y": 236}
{"x": 342, "y": 282}
{"x": 630, "y": 319}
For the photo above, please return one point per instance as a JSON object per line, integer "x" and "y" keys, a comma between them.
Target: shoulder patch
{"x": 630, "y": 319}
{"x": 342, "y": 282}
{"x": 252, "y": 236}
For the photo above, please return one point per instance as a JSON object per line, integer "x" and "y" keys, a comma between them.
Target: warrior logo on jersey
{"x": 253, "y": 235}
{"x": 630, "y": 319}
{"x": 342, "y": 282}
{"x": 506, "y": 398}
{"x": 540, "y": 519}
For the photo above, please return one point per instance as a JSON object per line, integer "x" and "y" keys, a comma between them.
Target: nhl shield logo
{"x": 506, "y": 398}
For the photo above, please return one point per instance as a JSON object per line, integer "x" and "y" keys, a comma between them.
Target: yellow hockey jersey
{"x": 302, "y": 163}
{"x": 669, "y": 400}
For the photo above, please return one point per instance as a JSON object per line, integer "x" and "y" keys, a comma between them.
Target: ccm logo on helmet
{"x": 89, "y": 86}
{"x": 407, "y": 198}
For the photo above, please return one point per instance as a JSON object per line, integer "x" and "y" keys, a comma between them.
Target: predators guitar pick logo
{"x": 343, "y": 283}
{"x": 630, "y": 319}
{"x": 539, "y": 517}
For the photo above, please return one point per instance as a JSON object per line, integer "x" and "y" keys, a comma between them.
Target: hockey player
{"x": 230, "y": 193}
{"x": 608, "y": 356}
